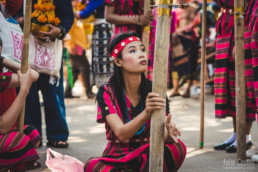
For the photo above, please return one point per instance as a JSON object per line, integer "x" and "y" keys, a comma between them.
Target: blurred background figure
{"x": 76, "y": 44}
{"x": 102, "y": 65}
{"x": 184, "y": 47}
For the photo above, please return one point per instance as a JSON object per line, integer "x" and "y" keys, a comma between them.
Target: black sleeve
{"x": 167, "y": 106}
{"x": 64, "y": 11}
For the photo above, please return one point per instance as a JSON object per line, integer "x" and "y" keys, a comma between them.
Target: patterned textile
{"x": 127, "y": 8}
{"x": 225, "y": 3}
{"x": 254, "y": 49}
{"x": 102, "y": 63}
{"x": 250, "y": 97}
{"x": 134, "y": 154}
{"x": 17, "y": 150}
{"x": 224, "y": 81}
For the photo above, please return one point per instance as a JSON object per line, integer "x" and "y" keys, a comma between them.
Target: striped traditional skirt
{"x": 102, "y": 63}
{"x": 254, "y": 52}
{"x": 224, "y": 80}
{"x": 119, "y": 157}
{"x": 249, "y": 75}
{"x": 17, "y": 150}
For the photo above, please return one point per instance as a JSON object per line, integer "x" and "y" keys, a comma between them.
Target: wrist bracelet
{"x": 62, "y": 34}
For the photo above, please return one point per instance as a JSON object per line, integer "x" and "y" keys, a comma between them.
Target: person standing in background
{"x": 224, "y": 80}
{"x": 251, "y": 56}
{"x": 53, "y": 95}
{"x": 102, "y": 66}
{"x": 76, "y": 45}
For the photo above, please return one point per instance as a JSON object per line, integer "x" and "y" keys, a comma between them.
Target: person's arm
{"x": 170, "y": 131}
{"x": 8, "y": 119}
{"x": 90, "y": 8}
{"x": 126, "y": 131}
{"x": 113, "y": 18}
{"x": 64, "y": 12}
{"x": 14, "y": 67}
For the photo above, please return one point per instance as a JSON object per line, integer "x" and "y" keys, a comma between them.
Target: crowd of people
{"x": 122, "y": 72}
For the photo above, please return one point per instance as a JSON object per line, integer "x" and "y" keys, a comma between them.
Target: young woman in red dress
{"x": 125, "y": 104}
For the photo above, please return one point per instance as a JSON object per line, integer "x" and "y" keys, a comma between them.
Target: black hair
{"x": 117, "y": 79}
{"x": 1, "y": 42}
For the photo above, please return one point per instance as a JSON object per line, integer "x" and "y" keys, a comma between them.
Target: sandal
{"x": 174, "y": 95}
{"x": 57, "y": 144}
{"x": 35, "y": 165}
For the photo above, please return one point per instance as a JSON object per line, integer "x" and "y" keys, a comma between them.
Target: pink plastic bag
{"x": 62, "y": 163}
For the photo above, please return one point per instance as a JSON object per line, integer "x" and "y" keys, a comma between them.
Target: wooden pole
{"x": 240, "y": 79}
{"x": 203, "y": 61}
{"x": 25, "y": 54}
{"x": 146, "y": 29}
{"x": 161, "y": 53}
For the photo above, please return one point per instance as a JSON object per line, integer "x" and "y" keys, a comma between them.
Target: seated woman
{"x": 124, "y": 105}
{"x": 17, "y": 150}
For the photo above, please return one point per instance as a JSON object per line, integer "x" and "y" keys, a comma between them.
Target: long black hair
{"x": 117, "y": 79}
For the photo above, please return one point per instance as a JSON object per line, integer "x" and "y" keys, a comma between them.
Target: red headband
{"x": 119, "y": 47}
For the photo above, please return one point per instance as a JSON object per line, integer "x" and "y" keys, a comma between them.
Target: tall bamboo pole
{"x": 161, "y": 53}
{"x": 146, "y": 29}
{"x": 240, "y": 79}
{"x": 25, "y": 53}
{"x": 203, "y": 61}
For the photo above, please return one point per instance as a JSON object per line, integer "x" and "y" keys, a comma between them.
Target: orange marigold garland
{"x": 44, "y": 13}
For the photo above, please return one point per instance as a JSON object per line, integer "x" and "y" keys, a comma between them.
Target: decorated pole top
{"x": 164, "y": 8}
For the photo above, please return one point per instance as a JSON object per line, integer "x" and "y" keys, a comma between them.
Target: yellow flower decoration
{"x": 36, "y": 6}
{"x": 42, "y": 19}
{"x": 50, "y": 19}
{"x": 44, "y": 13}
{"x": 53, "y": 7}
{"x": 48, "y": 7}
{"x": 41, "y": 7}
{"x": 57, "y": 21}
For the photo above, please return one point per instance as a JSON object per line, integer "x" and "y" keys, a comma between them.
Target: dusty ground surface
{"x": 87, "y": 138}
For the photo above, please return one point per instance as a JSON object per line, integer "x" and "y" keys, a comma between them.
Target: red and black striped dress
{"x": 224, "y": 81}
{"x": 17, "y": 150}
{"x": 251, "y": 48}
{"x": 254, "y": 50}
{"x": 250, "y": 73}
{"x": 134, "y": 154}
{"x": 127, "y": 9}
